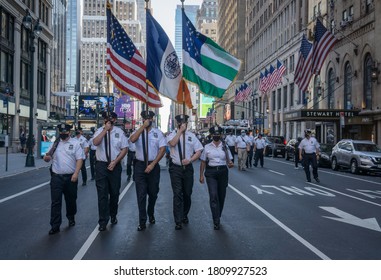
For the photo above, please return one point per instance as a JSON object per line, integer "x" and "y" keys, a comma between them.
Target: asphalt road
{"x": 270, "y": 213}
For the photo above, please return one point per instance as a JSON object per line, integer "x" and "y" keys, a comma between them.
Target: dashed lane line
{"x": 276, "y": 172}
{"x": 85, "y": 247}
{"x": 24, "y": 192}
{"x": 312, "y": 248}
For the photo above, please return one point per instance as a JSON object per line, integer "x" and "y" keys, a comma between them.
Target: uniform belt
{"x": 62, "y": 175}
{"x": 242, "y": 148}
{"x": 309, "y": 153}
{"x": 142, "y": 161}
{"x": 218, "y": 167}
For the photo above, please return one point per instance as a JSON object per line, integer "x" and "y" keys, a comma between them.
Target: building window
{"x": 348, "y": 86}
{"x": 292, "y": 89}
{"x": 331, "y": 89}
{"x": 367, "y": 103}
{"x": 285, "y": 97}
{"x": 316, "y": 92}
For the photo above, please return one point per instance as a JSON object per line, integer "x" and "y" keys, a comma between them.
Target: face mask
{"x": 216, "y": 138}
{"x": 64, "y": 136}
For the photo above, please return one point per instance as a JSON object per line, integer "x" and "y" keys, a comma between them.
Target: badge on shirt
{"x": 116, "y": 135}
{"x": 71, "y": 147}
{"x": 155, "y": 135}
{"x": 189, "y": 139}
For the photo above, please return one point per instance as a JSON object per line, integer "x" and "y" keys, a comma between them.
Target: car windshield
{"x": 366, "y": 147}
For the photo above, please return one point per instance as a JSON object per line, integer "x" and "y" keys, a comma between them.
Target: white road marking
{"x": 335, "y": 173}
{"x": 85, "y": 247}
{"x": 276, "y": 172}
{"x": 348, "y": 195}
{"x": 284, "y": 227}
{"x": 344, "y": 217}
{"x": 24, "y": 192}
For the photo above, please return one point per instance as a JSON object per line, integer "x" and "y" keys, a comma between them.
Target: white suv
{"x": 357, "y": 155}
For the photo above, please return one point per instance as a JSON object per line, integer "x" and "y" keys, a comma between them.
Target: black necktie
{"x": 108, "y": 146}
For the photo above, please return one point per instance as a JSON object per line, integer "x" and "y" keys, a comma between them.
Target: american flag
{"x": 280, "y": 69}
{"x": 324, "y": 42}
{"x": 260, "y": 86}
{"x": 271, "y": 78}
{"x": 125, "y": 65}
{"x": 265, "y": 80}
{"x": 243, "y": 93}
{"x": 303, "y": 72}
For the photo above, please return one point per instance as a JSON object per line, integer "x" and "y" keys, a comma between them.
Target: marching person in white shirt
{"x": 242, "y": 145}
{"x": 259, "y": 150}
{"x": 309, "y": 152}
{"x": 85, "y": 146}
{"x": 230, "y": 141}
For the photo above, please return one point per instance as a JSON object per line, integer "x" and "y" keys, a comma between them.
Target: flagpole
{"x": 147, "y": 92}
{"x": 182, "y": 85}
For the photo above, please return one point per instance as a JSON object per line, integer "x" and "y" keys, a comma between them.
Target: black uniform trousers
{"x": 108, "y": 187}
{"x": 182, "y": 186}
{"x": 307, "y": 160}
{"x": 83, "y": 171}
{"x": 296, "y": 158}
{"x": 258, "y": 156}
{"x": 249, "y": 159}
{"x": 130, "y": 162}
{"x": 92, "y": 154}
{"x": 146, "y": 184}
{"x": 62, "y": 185}
{"x": 232, "y": 151}
{"x": 217, "y": 180}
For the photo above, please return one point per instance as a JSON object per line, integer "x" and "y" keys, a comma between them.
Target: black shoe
{"x": 114, "y": 220}
{"x": 128, "y": 178}
{"x": 317, "y": 180}
{"x": 152, "y": 219}
{"x": 216, "y": 226}
{"x": 54, "y": 231}
{"x": 178, "y": 226}
{"x": 186, "y": 220}
{"x": 71, "y": 222}
{"x": 102, "y": 228}
{"x": 309, "y": 180}
{"x": 84, "y": 184}
{"x": 141, "y": 227}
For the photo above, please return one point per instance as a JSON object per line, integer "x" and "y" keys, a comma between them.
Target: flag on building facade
{"x": 303, "y": 72}
{"x": 324, "y": 42}
{"x": 271, "y": 78}
{"x": 125, "y": 65}
{"x": 205, "y": 63}
{"x": 280, "y": 69}
{"x": 164, "y": 71}
{"x": 243, "y": 93}
{"x": 260, "y": 86}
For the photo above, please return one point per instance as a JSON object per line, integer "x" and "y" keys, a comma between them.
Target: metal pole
{"x": 98, "y": 95}
{"x": 7, "y": 140}
{"x": 30, "y": 157}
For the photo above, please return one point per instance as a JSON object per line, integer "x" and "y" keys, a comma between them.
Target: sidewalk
{"x": 16, "y": 164}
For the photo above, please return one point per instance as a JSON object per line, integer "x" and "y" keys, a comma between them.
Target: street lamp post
{"x": 98, "y": 81}
{"x": 34, "y": 33}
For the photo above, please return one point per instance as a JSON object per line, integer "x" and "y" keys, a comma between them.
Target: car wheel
{"x": 334, "y": 165}
{"x": 354, "y": 167}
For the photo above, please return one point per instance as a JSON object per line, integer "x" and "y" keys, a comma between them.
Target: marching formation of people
{"x": 143, "y": 148}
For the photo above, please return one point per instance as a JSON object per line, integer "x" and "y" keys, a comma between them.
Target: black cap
{"x": 215, "y": 130}
{"x": 147, "y": 114}
{"x": 63, "y": 127}
{"x": 308, "y": 131}
{"x": 182, "y": 118}
{"x": 107, "y": 115}
{"x": 260, "y": 134}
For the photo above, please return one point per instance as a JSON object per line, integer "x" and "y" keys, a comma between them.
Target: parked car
{"x": 358, "y": 155}
{"x": 290, "y": 149}
{"x": 276, "y": 145}
{"x": 325, "y": 154}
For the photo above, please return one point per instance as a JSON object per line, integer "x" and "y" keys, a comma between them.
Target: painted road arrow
{"x": 370, "y": 223}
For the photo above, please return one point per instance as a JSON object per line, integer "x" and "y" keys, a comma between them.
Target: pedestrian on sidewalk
{"x": 150, "y": 149}
{"x": 309, "y": 153}
{"x": 185, "y": 148}
{"x": 112, "y": 146}
{"x": 85, "y": 146}
{"x": 67, "y": 156}
{"x": 23, "y": 142}
{"x": 215, "y": 160}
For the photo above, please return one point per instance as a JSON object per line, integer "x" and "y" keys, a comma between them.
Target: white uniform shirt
{"x": 83, "y": 142}
{"x": 242, "y": 141}
{"x": 192, "y": 145}
{"x": 156, "y": 140}
{"x": 230, "y": 140}
{"x": 309, "y": 145}
{"x": 131, "y": 146}
{"x": 260, "y": 143}
{"x": 91, "y": 144}
{"x": 251, "y": 139}
{"x": 215, "y": 154}
{"x": 118, "y": 142}
{"x": 66, "y": 155}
